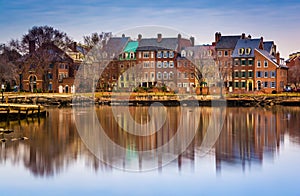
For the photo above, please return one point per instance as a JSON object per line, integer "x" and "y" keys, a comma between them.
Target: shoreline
{"x": 138, "y": 99}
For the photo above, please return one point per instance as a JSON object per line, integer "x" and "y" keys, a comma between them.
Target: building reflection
{"x": 248, "y": 135}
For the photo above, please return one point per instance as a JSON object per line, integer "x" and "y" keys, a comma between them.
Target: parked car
{"x": 288, "y": 89}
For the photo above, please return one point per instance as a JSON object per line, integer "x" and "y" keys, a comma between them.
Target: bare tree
{"x": 8, "y": 65}
{"x": 93, "y": 39}
{"x": 294, "y": 75}
{"x": 41, "y": 35}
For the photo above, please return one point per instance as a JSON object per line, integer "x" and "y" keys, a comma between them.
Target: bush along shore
{"x": 136, "y": 99}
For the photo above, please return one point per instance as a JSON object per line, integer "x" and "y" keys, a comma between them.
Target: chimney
{"x": 159, "y": 37}
{"x": 243, "y": 35}
{"x": 192, "y": 41}
{"x": 75, "y": 46}
{"x": 217, "y": 37}
{"x": 261, "y": 44}
{"x": 278, "y": 58}
{"x": 31, "y": 46}
{"x": 139, "y": 37}
{"x": 249, "y": 36}
{"x": 179, "y": 42}
{"x": 123, "y": 35}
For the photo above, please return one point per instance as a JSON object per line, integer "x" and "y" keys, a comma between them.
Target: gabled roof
{"x": 165, "y": 43}
{"x": 115, "y": 45}
{"x": 268, "y": 46}
{"x": 270, "y": 57}
{"x": 131, "y": 46}
{"x": 227, "y": 42}
{"x": 246, "y": 43}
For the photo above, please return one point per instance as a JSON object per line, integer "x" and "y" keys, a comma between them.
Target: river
{"x": 203, "y": 150}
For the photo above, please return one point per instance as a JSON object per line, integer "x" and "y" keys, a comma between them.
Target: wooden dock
{"x": 10, "y": 111}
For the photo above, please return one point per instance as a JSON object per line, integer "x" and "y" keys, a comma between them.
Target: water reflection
{"x": 248, "y": 135}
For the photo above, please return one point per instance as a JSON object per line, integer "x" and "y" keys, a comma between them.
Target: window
{"x": 183, "y": 53}
{"x": 219, "y": 53}
{"x": 131, "y": 55}
{"x": 122, "y": 77}
{"x": 159, "y": 64}
{"x": 236, "y": 74}
{"x": 158, "y": 76}
{"x": 140, "y": 54}
{"x": 145, "y": 55}
{"x": 243, "y": 84}
{"x": 258, "y": 64}
{"x": 179, "y": 85}
{"x": 50, "y": 76}
{"x": 243, "y": 74}
{"x": 178, "y": 75}
{"x": 248, "y": 51}
{"x": 258, "y": 74}
{"x": 152, "y": 76}
{"x": 192, "y": 75}
{"x": 225, "y": 53}
{"x": 250, "y": 62}
{"x": 266, "y": 74}
{"x": 236, "y": 62}
{"x": 152, "y": 64}
{"x": 186, "y": 75}
{"x": 159, "y": 54}
{"x": 146, "y": 75}
{"x": 185, "y": 85}
{"x": 250, "y": 74}
{"x": 265, "y": 84}
{"x": 171, "y": 75}
{"x": 273, "y": 74}
{"x": 265, "y": 63}
{"x": 281, "y": 84}
{"x": 166, "y": 64}
{"x": 236, "y": 84}
{"x": 243, "y": 62}
{"x": 152, "y": 55}
{"x": 273, "y": 84}
{"x": 146, "y": 64}
{"x": 241, "y": 51}
{"x": 51, "y": 65}
{"x": 121, "y": 66}
{"x": 171, "y": 64}
{"x": 178, "y": 64}
{"x": 171, "y": 54}
{"x": 165, "y": 76}
{"x": 166, "y": 54}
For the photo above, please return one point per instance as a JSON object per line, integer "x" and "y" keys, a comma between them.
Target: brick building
{"x": 47, "y": 69}
{"x": 224, "y": 46}
{"x": 256, "y": 69}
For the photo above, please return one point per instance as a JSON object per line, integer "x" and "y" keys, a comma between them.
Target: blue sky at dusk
{"x": 274, "y": 20}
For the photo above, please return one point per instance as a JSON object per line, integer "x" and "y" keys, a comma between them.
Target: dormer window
{"x": 248, "y": 51}
{"x": 159, "y": 54}
{"x": 131, "y": 55}
{"x": 166, "y": 54}
{"x": 241, "y": 51}
{"x": 171, "y": 54}
{"x": 190, "y": 53}
{"x": 183, "y": 53}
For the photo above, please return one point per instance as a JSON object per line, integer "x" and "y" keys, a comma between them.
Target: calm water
{"x": 256, "y": 152}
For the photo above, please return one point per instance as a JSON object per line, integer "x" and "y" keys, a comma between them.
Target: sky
{"x": 276, "y": 20}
